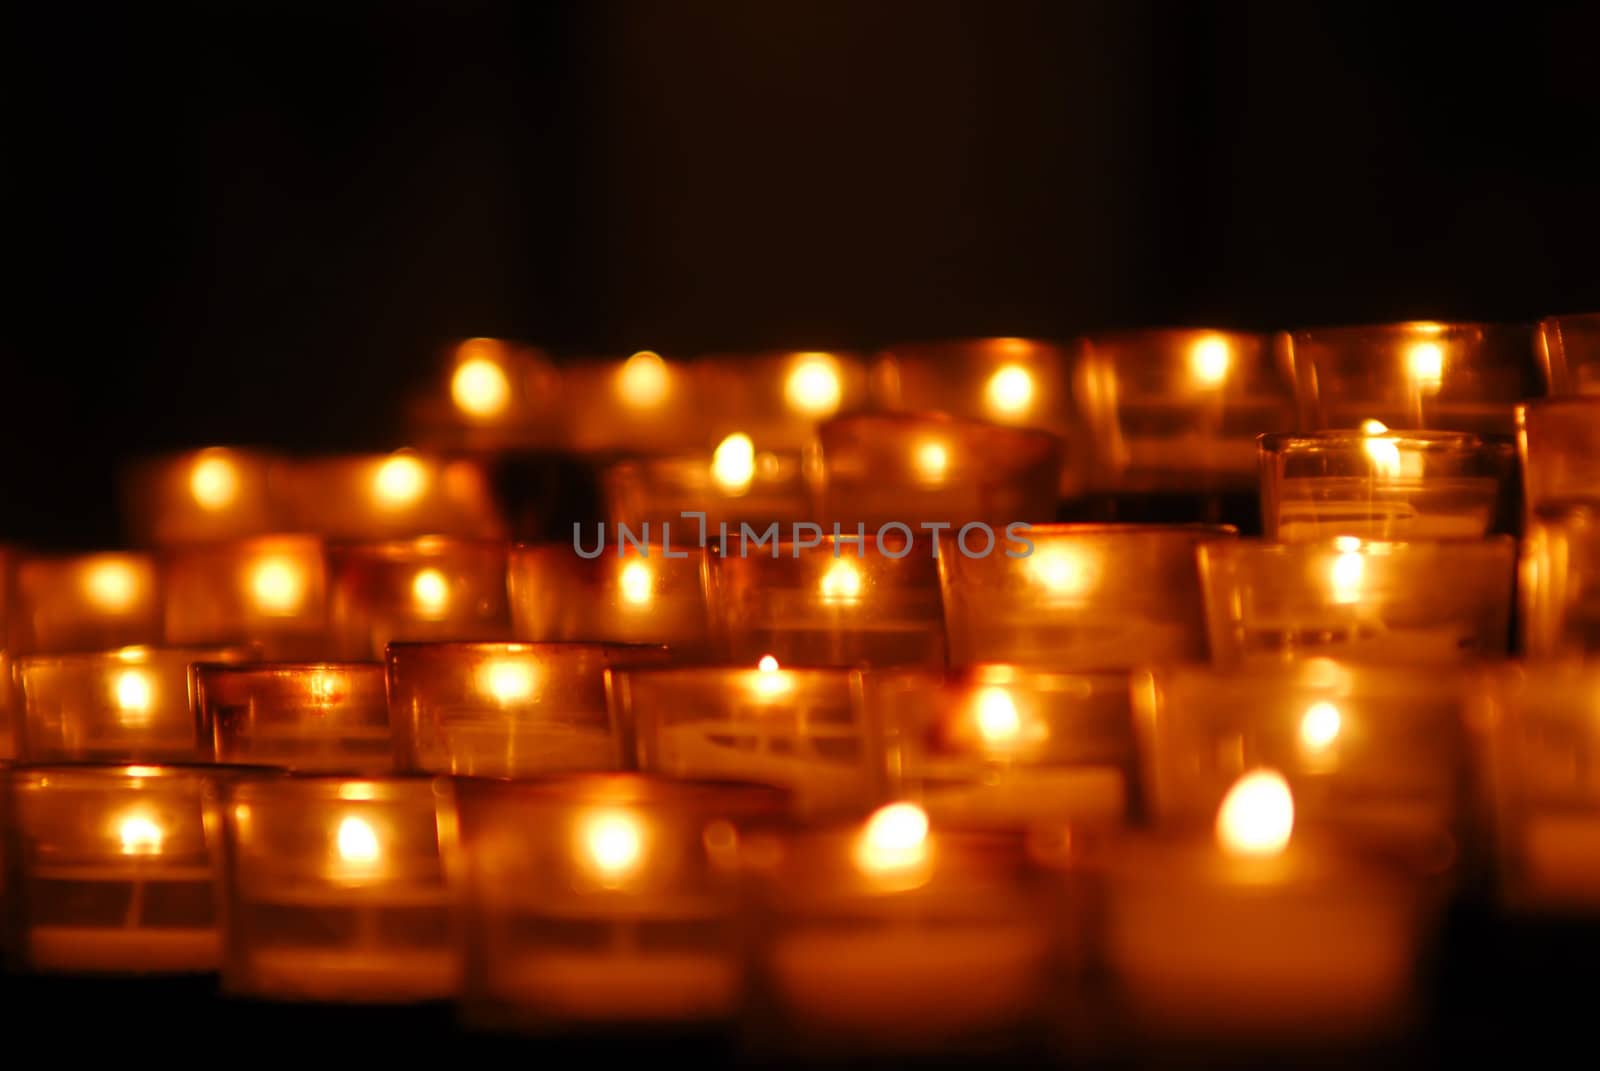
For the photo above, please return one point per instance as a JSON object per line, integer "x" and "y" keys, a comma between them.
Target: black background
{"x": 258, "y": 222}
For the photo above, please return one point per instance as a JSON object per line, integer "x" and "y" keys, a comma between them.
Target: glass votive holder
{"x": 1017, "y": 381}
{"x": 128, "y": 705}
{"x": 1257, "y": 937}
{"x": 507, "y": 709}
{"x": 1010, "y": 747}
{"x": 87, "y": 602}
{"x": 269, "y": 590}
{"x": 371, "y": 497}
{"x": 777, "y": 398}
{"x": 1378, "y": 484}
{"x": 1077, "y": 596}
{"x": 732, "y": 486}
{"x": 604, "y": 901}
{"x": 1569, "y": 346}
{"x": 496, "y": 394}
{"x": 839, "y": 602}
{"x": 1559, "y": 440}
{"x": 1172, "y": 415}
{"x": 802, "y": 730}
{"x": 335, "y": 890}
{"x": 199, "y": 497}
{"x": 1446, "y": 377}
{"x": 1424, "y": 602}
{"x": 114, "y": 869}
{"x": 622, "y": 593}
{"x": 644, "y": 404}
{"x": 427, "y": 589}
{"x": 1540, "y": 728}
{"x": 1375, "y": 756}
{"x": 875, "y": 936}
{"x": 912, "y": 470}
{"x": 314, "y": 717}
{"x": 1559, "y": 584}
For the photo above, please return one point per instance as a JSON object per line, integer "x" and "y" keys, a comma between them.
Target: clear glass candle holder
{"x": 427, "y": 589}
{"x": 839, "y": 602}
{"x": 496, "y": 395}
{"x": 1569, "y": 347}
{"x": 114, "y": 871}
{"x": 734, "y": 485}
{"x": 314, "y": 717}
{"x": 803, "y": 730}
{"x": 777, "y": 398}
{"x": 202, "y": 496}
{"x": 87, "y": 602}
{"x": 604, "y": 901}
{"x": 1172, "y": 416}
{"x": 270, "y": 590}
{"x": 1375, "y": 756}
{"x": 1540, "y": 730}
{"x": 899, "y": 938}
{"x": 1010, "y": 747}
{"x": 1078, "y": 596}
{"x": 614, "y": 593}
{"x": 643, "y": 404}
{"x": 1441, "y": 376}
{"x": 1379, "y": 485}
{"x": 1559, "y": 584}
{"x": 507, "y": 709}
{"x": 334, "y": 890}
{"x": 1017, "y": 381}
{"x": 1559, "y": 440}
{"x": 1424, "y": 602}
{"x": 914, "y": 469}
{"x": 374, "y": 497}
{"x": 128, "y": 705}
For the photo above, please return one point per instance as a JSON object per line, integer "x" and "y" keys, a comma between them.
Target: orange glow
{"x": 399, "y": 481}
{"x": 431, "y": 592}
{"x": 325, "y": 687}
{"x": 111, "y": 585}
{"x": 841, "y": 583}
{"x": 933, "y": 461}
{"x": 357, "y": 842}
{"x": 812, "y": 388}
{"x": 894, "y": 841}
{"x": 1257, "y": 816}
{"x": 214, "y": 481}
{"x": 733, "y": 465}
{"x": 278, "y": 586}
{"x": 1009, "y": 391}
{"x": 643, "y": 381}
{"x": 770, "y": 681}
{"x": 1374, "y": 427}
{"x": 998, "y": 720}
{"x": 768, "y": 664}
{"x": 480, "y": 387}
{"x": 1319, "y": 727}
{"x": 1425, "y": 364}
{"x": 611, "y": 845}
{"x": 1344, "y": 577}
{"x": 508, "y": 681}
{"x": 140, "y": 834}
{"x": 637, "y": 583}
{"x": 134, "y": 698}
{"x": 1060, "y": 571}
{"x": 1209, "y": 361}
{"x": 1384, "y": 455}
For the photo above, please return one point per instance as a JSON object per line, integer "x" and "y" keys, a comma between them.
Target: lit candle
{"x": 396, "y": 496}
{"x": 270, "y": 590}
{"x": 804, "y": 730}
{"x": 306, "y": 716}
{"x": 642, "y": 403}
{"x": 127, "y": 705}
{"x": 201, "y": 496}
{"x": 87, "y": 602}
{"x": 735, "y": 484}
{"x": 1016, "y": 381}
{"x": 778, "y": 398}
{"x": 508, "y": 709}
{"x": 1080, "y": 596}
{"x": 604, "y": 900}
{"x": 335, "y": 890}
{"x": 415, "y": 590}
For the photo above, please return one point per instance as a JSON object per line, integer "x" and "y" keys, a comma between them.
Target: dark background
{"x": 258, "y": 222}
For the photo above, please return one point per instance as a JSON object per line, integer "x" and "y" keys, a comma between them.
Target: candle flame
{"x": 770, "y": 681}
{"x": 431, "y": 592}
{"x": 1374, "y": 427}
{"x": 1060, "y": 571}
{"x": 733, "y": 464}
{"x": 1257, "y": 816}
{"x": 643, "y": 380}
{"x": 508, "y": 681}
{"x": 111, "y": 585}
{"x": 1344, "y": 577}
{"x": 140, "y": 834}
{"x": 812, "y": 388}
{"x": 399, "y": 481}
{"x": 998, "y": 719}
{"x": 480, "y": 388}
{"x": 214, "y": 481}
{"x": 1319, "y": 726}
{"x": 894, "y": 840}
{"x": 1425, "y": 363}
{"x": 278, "y": 585}
{"x": 357, "y": 842}
{"x": 134, "y": 698}
{"x": 841, "y": 583}
{"x": 1009, "y": 391}
{"x": 933, "y": 461}
{"x": 1384, "y": 455}
{"x": 612, "y": 844}
{"x": 637, "y": 583}
{"x": 768, "y": 664}
{"x": 1209, "y": 361}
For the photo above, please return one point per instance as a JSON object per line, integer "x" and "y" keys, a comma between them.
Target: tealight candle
{"x": 199, "y": 497}
{"x": 507, "y": 709}
{"x": 612, "y": 593}
{"x": 394, "y": 496}
{"x": 1559, "y": 588}
{"x": 269, "y": 590}
{"x": 895, "y": 936}
{"x": 1413, "y": 602}
{"x": 1453, "y": 377}
{"x": 1265, "y": 937}
{"x": 1559, "y": 439}
{"x": 778, "y": 398}
{"x": 87, "y": 602}
{"x": 128, "y": 705}
{"x": 1172, "y": 415}
{"x": 114, "y": 869}
{"x": 804, "y": 730}
{"x": 330, "y": 717}
{"x": 644, "y": 403}
{"x": 909, "y": 469}
{"x": 1078, "y": 596}
{"x": 412, "y": 590}
{"x": 1569, "y": 347}
{"x": 604, "y": 900}
{"x": 1375, "y": 755}
{"x": 838, "y": 602}
{"x": 1378, "y": 484}
{"x": 1010, "y": 747}
{"x": 335, "y": 890}
{"x": 496, "y": 395}
{"x": 736, "y": 484}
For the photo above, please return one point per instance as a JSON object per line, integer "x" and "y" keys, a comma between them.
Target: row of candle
{"x": 1038, "y": 825}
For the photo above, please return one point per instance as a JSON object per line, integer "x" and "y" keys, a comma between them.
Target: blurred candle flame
{"x": 894, "y": 842}
{"x": 134, "y": 698}
{"x": 1257, "y": 815}
{"x": 508, "y": 681}
{"x": 841, "y": 583}
{"x": 733, "y": 464}
{"x": 278, "y": 585}
{"x": 1009, "y": 391}
{"x": 932, "y": 461}
{"x": 140, "y": 834}
{"x": 431, "y": 592}
{"x": 357, "y": 843}
{"x": 111, "y": 585}
{"x": 1319, "y": 727}
{"x": 1344, "y": 576}
{"x": 637, "y": 583}
{"x": 1209, "y": 361}
{"x": 611, "y": 846}
{"x": 643, "y": 380}
{"x": 214, "y": 481}
{"x": 1425, "y": 364}
{"x": 812, "y": 387}
{"x": 480, "y": 388}
{"x": 399, "y": 481}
